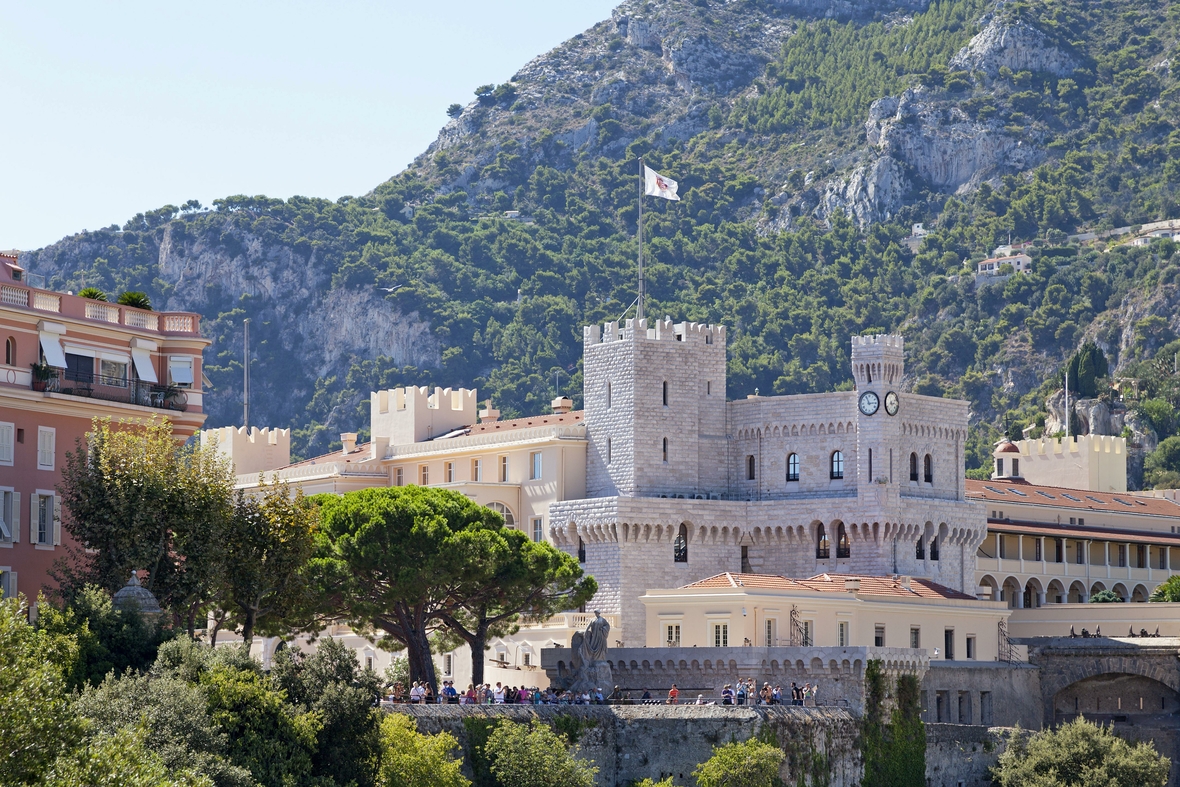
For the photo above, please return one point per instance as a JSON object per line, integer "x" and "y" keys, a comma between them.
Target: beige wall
{"x": 746, "y": 612}
{"x": 1055, "y": 620}
{"x": 1097, "y": 463}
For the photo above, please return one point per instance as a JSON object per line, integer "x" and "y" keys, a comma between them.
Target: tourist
{"x": 700, "y": 699}
{"x": 810, "y": 692}
{"x": 741, "y": 693}
{"x": 765, "y": 696}
{"x": 416, "y": 694}
{"x": 427, "y": 694}
{"x": 673, "y": 695}
{"x": 646, "y": 696}
{"x": 796, "y": 694}
{"x": 499, "y": 694}
{"x": 776, "y": 698}
{"x": 598, "y": 698}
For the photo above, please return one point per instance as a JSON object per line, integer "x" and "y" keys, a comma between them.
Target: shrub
{"x": 1080, "y": 753}
{"x": 1105, "y": 597}
{"x": 534, "y": 756}
{"x": 411, "y": 759}
{"x": 92, "y": 293}
{"x": 748, "y": 764}
{"x": 139, "y": 300}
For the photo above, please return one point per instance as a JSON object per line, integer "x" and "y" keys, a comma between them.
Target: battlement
{"x": 654, "y": 330}
{"x": 250, "y": 450}
{"x": 399, "y": 416}
{"x": 1093, "y": 443}
{"x": 878, "y": 358}
{"x": 880, "y": 339}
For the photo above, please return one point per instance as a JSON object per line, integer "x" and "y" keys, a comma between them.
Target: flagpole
{"x": 639, "y": 310}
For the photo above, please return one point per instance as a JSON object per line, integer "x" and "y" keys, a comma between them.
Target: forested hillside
{"x": 805, "y": 143}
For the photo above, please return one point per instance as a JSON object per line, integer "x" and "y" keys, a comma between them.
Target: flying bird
{"x": 394, "y": 288}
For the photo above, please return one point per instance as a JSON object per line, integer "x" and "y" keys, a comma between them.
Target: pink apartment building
{"x": 66, "y": 361}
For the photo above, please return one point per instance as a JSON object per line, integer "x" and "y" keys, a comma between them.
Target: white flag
{"x": 656, "y": 185}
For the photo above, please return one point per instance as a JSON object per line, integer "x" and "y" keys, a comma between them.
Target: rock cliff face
{"x": 1017, "y": 45}
{"x": 295, "y": 311}
{"x": 872, "y": 193}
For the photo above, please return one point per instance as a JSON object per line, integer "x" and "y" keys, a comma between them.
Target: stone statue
{"x": 595, "y": 639}
{"x": 587, "y": 670}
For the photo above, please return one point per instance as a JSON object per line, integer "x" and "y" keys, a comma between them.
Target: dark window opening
{"x": 665, "y": 449}
{"x": 751, "y": 467}
{"x": 843, "y": 546}
{"x": 822, "y": 547}
{"x": 913, "y": 467}
{"x": 581, "y": 551}
{"x": 680, "y": 545}
{"x": 746, "y": 561}
{"x": 793, "y": 467}
{"x": 79, "y": 368}
{"x": 934, "y": 548}
{"x": 665, "y": 393}
{"x": 837, "y": 465}
{"x": 920, "y": 550}
{"x": 928, "y": 469}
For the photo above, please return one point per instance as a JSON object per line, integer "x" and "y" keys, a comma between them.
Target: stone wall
{"x": 959, "y": 755}
{"x": 982, "y": 693}
{"x": 630, "y": 743}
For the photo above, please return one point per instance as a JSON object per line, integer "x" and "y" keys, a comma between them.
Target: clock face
{"x": 891, "y": 403}
{"x": 869, "y": 402}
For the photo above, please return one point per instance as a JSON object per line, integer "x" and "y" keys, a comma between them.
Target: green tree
{"x": 136, "y": 299}
{"x": 137, "y": 499}
{"x": 1168, "y": 590}
{"x": 508, "y": 577}
{"x": 388, "y": 560}
{"x": 1105, "y": 597}
{"x": 125, "y": 758}
{"x": 331, "y": 685}
{"x": 534, "y": 755}
{"x": 1079, "y": 754}
{"x": 411, "y": 759}
{"x": 1162, "y": 465}
{"x": 92, "y": 293}
{"x": 35, "y": 718}
{"x": 454, "y": 110}
{"x": 268, "y": 545}
{"x": 177, "y": 719}
{"x": 1086, "y": 367}
{"x": 751, "y": 763}
{"x": 108, "y": 640}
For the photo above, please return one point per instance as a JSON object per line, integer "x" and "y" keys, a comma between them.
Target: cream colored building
{"x": 1061, "y": 543}
{"x": 828, "y": 610}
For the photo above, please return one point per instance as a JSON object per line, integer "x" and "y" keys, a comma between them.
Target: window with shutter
{"x": 6, "y": 515}
{"x": 7, "y": 449}
{"x": 56, "y": 513}
{"x": 46, "y": 439}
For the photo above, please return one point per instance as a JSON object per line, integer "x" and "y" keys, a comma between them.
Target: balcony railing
{"x": 75, "y": 306}
{"x": 111, "y": 389}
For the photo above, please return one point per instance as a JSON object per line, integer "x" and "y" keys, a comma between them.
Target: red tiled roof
{"x": 552, "y": 419}
{"x": 1019, "y": 492}
{"x": 1007, "y": 448}
{"x": 360, "y": 453}
{"x": 834, "y": 583}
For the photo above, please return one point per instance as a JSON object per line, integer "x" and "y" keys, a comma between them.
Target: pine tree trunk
{"x": 478, "y": 643}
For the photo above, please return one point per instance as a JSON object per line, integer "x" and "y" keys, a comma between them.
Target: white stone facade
{"x": 670, "y": 460}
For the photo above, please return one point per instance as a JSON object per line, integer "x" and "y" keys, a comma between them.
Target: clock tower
{"x": 878, "y": 363}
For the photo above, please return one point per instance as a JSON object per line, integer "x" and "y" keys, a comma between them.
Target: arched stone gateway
{"x": 1118, "y": 698}
{"x": 1094, "y": 670}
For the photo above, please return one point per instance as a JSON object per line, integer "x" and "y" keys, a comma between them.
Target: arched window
{"x": 581, "y": 551}
{"x": 793, "y": 467}
{"x": 913, "y": 467}
{"x": 665, "y": 449}
{"x": 504, "y": 511}
{"x": 928, "y": 469}
{"x": 920, "y": 550}
{"x": 837, "y": 464}
{"x": 751, "y": 468}
{"x": 680, "y": 545}
{"x": 822, "y": 547}
{"x": 665, "y": 393}
{"x": 934, "y": 548}
{"x": 10, "y": 351}
{"x": 843, "y": 547}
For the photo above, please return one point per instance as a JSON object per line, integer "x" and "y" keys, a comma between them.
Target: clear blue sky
{"x": 112, "y": 109}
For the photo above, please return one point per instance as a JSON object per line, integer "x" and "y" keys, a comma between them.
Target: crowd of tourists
{"x": 743, "y": 692}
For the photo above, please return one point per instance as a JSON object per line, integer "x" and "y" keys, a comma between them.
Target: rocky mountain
{"x": 807, "y": 135}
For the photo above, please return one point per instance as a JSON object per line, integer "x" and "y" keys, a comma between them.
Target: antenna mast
{"x": 246, "y": 374}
